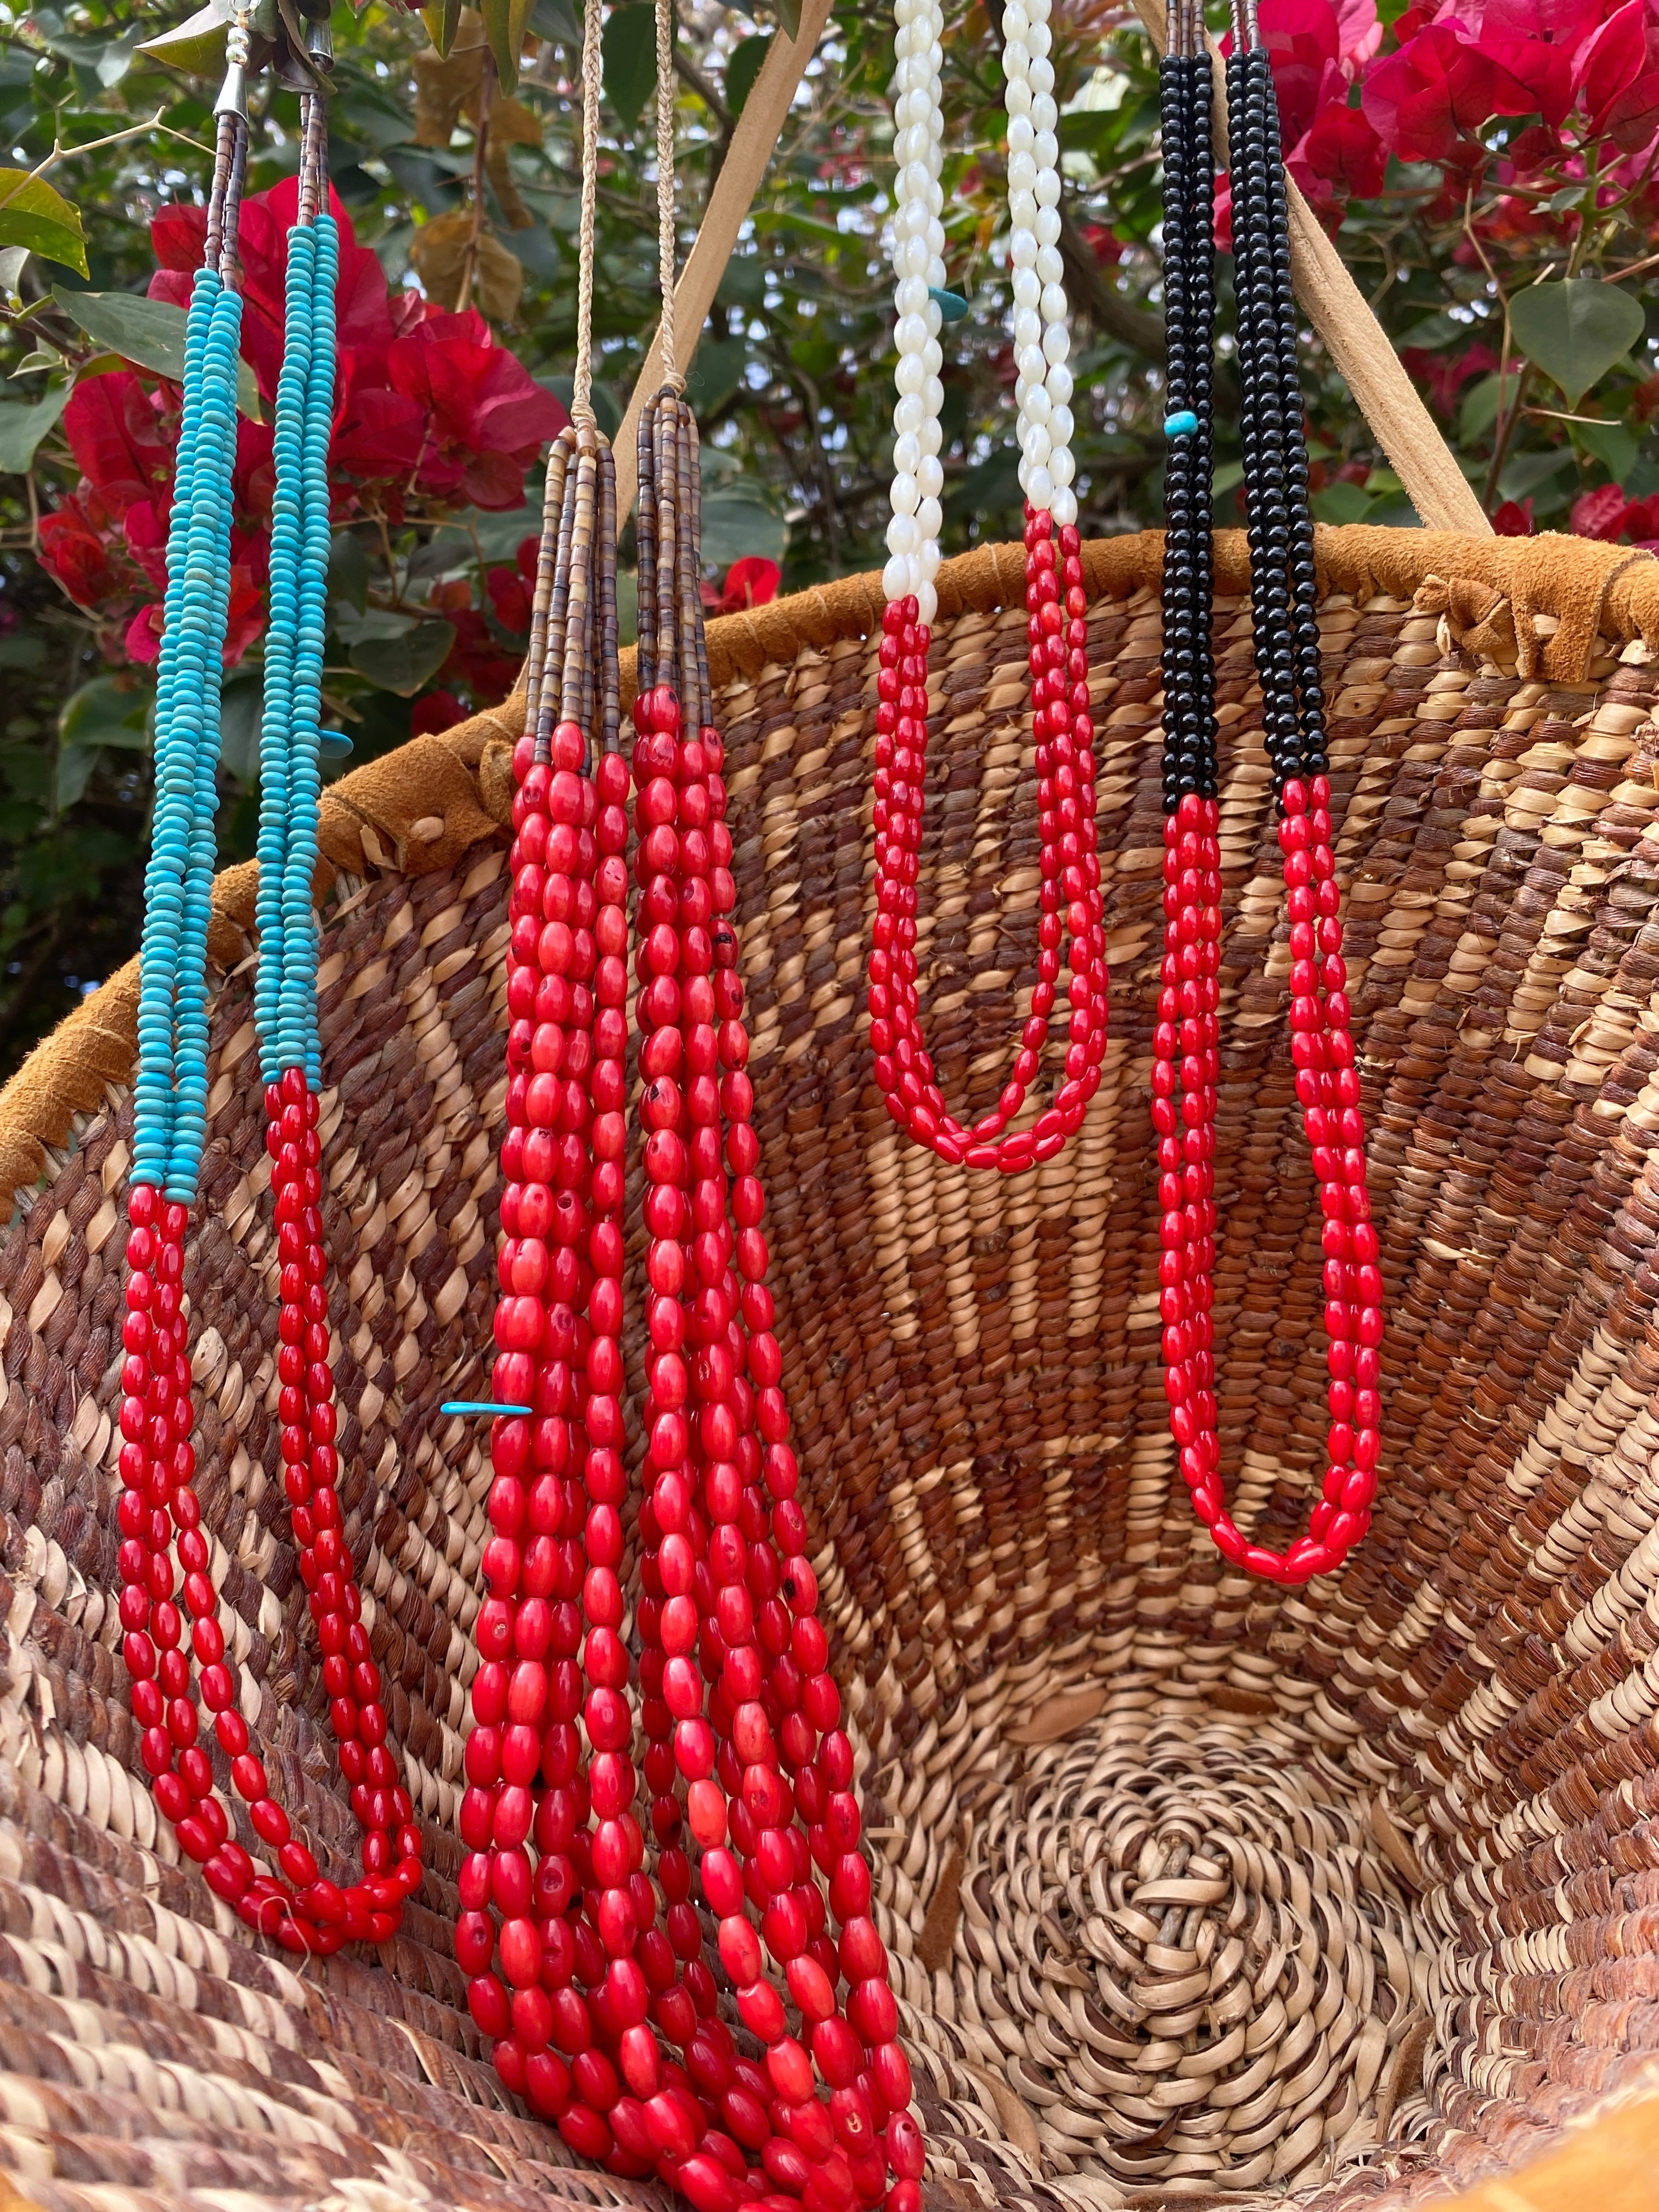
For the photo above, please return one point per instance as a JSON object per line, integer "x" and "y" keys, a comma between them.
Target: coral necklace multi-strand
{"x": 586, "y": 1983}
{"x": 1186, "y": 1054}
{"x": 297, "y": 1905}
{"x": 1070, "y": 896}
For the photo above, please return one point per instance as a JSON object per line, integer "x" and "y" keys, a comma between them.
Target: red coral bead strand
{"x": 1070, "y": 894}
{"x": 299, "y": 1906}
{"x": 858, "y": 2056}
{"x": 1185, "y": 1073}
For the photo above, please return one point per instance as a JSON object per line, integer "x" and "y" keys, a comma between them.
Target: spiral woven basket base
{"x": 1198, "y": 1890}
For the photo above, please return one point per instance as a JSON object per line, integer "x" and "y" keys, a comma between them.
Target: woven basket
{"x": 1197, "y": 1888}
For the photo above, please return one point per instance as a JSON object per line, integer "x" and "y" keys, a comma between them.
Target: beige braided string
{"x": 666, "y": 240}
{"x": 581, "y": 395}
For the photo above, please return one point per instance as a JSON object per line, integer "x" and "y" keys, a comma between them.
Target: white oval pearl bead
{"x": 895, "y": 578}
{"x": 903, "y": 536}
{"x": 1044, "y": 114}
{"x": 1049, "y": 267}
{"x": 932, "y": 395}
{"x": 1018, "y": 98}
{"x": 926, "y": 603}
{"x": 1022, "y": 139}
{"x": 927, "y": 562}
{"x": 1015, "y": 22}
{"x": 1027, "y": 290}
{"x": 1036, "y": 407}
{"x": 907, "y": 453}
{"x": 1047, "y": 149}
{"x": 1054, "y": 304}
{"x": 1028, "y": 331}
{"x": 1037, "y": 447}
{"x": 1024, "y": 213}
{"x": 1031, "y": 363}
{"x": 911, "y": 334}
{"x": 1047, "y": 189}
{"x": 1022, "y": 251}
{"x": 930, "y": 476}
{"x": 1061, "y": 467}
{"x": 1022, "y": 173}
{"x": 910, "y": 375}
{"x": 1045, "y": 222}
{"x": 1056, "y": 345}
{"x": 910, "y": 296}
{"x": 906, "y": 497}
{"x": 1064, "y": 509}
{"x": 1060, "y": 425}
{"x": 1042, "y": 71}
{"x": 1059, "y": 382}
{"x": 928, "y": 519}
{"x": 1039, "y": 490}
{"x": 933, "y": 358}
{"x": 932, "y": 436}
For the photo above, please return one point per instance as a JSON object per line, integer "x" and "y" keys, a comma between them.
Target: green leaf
{"x": 743, "y": 68}
{"x": 1482, "y": 404}
{"x": 442, "y": 20}
{"x": 22, "y": 427}
{"x": 34, "y": 216}
{"x": 403, "y": 664}
{"x": 1575, "y": 330}
{"x": 110, "y": 710}
{"x": 71, "y": 772}
{"x": 789, "y": 16}
{"x": 1610, "y": 444}
{"x": 1341, "y": 501}
{"x": 348, "y": 571}
{"x": 630, "y": 44}
{"x": 1527, "y": 471}
{"x": 241, "y": 708}
{"x": 148, "y": 333}
{"x": 559, "y": 21}
{"x": 737, "y": 522}
{"x": 12, "y": 258}
{"x": 716, "y": 371}
{"x": 196, "y": 47}
{"x": 505, "y": 22}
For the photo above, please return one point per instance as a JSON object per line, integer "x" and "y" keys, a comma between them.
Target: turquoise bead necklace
{"x": 295, "y": 1902}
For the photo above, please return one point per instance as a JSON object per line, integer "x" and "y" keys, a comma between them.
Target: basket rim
{"x": 424, "y": 805}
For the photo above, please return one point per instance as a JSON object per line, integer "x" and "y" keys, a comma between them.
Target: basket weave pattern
{"x": 1192, "y": 1885}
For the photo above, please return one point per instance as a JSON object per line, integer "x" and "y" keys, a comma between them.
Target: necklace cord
{"x": 581, "y": 399}
{"x": 667, "y": 245}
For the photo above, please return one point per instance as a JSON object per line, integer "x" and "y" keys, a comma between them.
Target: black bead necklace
{"x": 1284, "y": 607}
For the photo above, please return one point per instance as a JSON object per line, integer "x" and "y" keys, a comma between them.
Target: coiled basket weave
{"x": 1199, "y": 1890}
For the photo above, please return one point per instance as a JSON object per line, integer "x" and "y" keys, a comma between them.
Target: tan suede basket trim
{"x": 420, "y": 808}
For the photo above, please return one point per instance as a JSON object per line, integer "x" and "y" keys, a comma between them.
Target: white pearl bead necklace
{"x": 918, "y": 269}
{"x": 1042, "y": 342}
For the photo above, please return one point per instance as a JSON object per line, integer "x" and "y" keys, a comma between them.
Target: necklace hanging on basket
{"x": 159, "y": 1512}
{"x": 586, "y": 1961}
{"x": 1070, "y": 898}
{"x": 1284, "y": 615}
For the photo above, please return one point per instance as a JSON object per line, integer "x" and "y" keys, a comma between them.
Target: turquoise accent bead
{"x": 1181, "y": 424}
{"x": 951, "y": 306}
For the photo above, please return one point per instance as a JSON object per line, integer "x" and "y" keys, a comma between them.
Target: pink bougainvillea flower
{"x": 1443, "y": 376}
{"x": 511, "y": 590}
{"x": 434, "y": 713}
{"x": 1425, "y": 100}
{"x": 1342, "y": 149}
{"x": 81, "y": 545}
{"x": 487, "y": 415}
{"x": 1599, "y": 513}
{"x": 750, "y": 583}
{"x": 122, "y": 438}
{"x": 1513, "y": 519}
